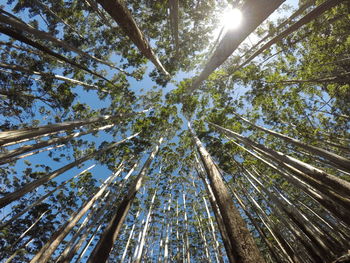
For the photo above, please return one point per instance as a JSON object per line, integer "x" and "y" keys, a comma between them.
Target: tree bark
{"x": 49, "y": 248}
{"x": 8, "y": 198}
{"x": 8, "y": 156}
{"x": 318, "y": 11}
{"x": 254, "y": 13}
{"x": 332, "y": 157}
{"x": 110, "y": 234}
{"x": 243, "y": 246}
{"x": 26, "y": 209}
{"x": 328, "y": 184}
{"x": 31, "y": 132}
{"x": 118, "y": 11}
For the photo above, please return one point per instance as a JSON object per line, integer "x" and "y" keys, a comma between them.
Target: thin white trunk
{"x": 8, "y": 156}
{"x": 137, "y": 258}
{"x": 46, "y": 178}
{"x": 187, "y": 245}
{"x": 129, "y": 239}
{"x": 26, "y": 209}
{"x": 46, "y": 251}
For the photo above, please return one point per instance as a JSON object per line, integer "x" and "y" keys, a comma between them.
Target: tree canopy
{"x": 151, "y": 131}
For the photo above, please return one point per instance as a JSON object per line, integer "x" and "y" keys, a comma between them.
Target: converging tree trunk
{"x": 110, "y": 234}
{"x": 254, "y": 13}
{"x": 44, "y": 179}
{"x": 242, "y": 243}
{"x": 118, "y": 11}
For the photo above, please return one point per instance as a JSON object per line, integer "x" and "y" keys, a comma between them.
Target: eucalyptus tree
{"x": 270, "y": 146}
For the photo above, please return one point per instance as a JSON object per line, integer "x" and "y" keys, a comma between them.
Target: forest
{"x": 175, "y": 131}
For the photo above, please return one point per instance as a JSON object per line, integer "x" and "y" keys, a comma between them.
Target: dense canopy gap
{"x": 153, "y": 131}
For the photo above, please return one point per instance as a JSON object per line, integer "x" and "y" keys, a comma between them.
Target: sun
{"x": 232, "y": 18}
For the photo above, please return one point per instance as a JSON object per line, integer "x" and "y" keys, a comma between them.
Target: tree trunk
{"x": 26, "y": 133}
{"x": 332, "y": 157}
{"x": 98, "y": 219}
{"x": 317, "y": 246}
{"x": 118, "y": 11}
{"x": 254, "y": 13}
{"x": 174, "y": 23}
{"x": 9, "y": 260}
{"x": 243, "y": 246}
{"x": 22, "y": 38}
{"x": 187, "y": 245}
{"x": 330, "y": 185}
{"x": 32, "y": 153}
{"x": 273, "y": 250}
{"x": 49, "y": 248}
{"x": 284, "y": 23}
{"x": 137, "y": 259}
{"x": 318, "y": 11}
{"x": 105, "y": 244}
{"x": 8, "y": 156}
{"x": 218, "y": 255}
{"x": 50, "y": 76}
{"x": 26, "y": 209}
{"x": 288, "y": 250}
{"x": 83, "y": 251}
{"x": 44, "y": 179}
{"x": 218, "y": 217}
{"x": 23, "y": 27}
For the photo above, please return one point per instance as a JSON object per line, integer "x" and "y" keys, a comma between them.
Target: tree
{"x": 97, "y": 88}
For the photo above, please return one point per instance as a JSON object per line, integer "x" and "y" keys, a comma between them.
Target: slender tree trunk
{"x": 218, "y": 255}
{"x": 242, "y": 243}
{"x": 166, "y": 243}
{"x": 26, "y": 209}
{"x": 174, "y": 22}
{"x": 254, "y": 13}
{"x": 187, "y": 245}
{"x": 317, "y": 246}
{"x": 138, "y": 257}
{"x": 83, "y": 251}
{"x": 118, "y": 11}
{"x": 82, "y": 227}
{"x": 324, "y": 242}
{"x": 297, "y": 13}
{"x": 26, "y": 133}
{"x": 218, "y": 217}
{"x": 105, "y": 244}
{"x": 46, "y": 178}
{"x": 22, "y": 38}
{"x": 329, "y": 204}
{"x": 98, "y": 219}
{"x": 129, "y": 239}
{"x": 273, "y": 250}
{"x": 50, "y": 76}
{"x": 52, "y": 13}
{"x": 28, "y": 229}
{"x": 9, "y": 260}
{"x": 23, "y": 27}
{"x": 318, "y": 11}
{"x": 33, "y": 153}
{"x": 8, "y": 156}
{"x": 328, "y": 184}
{"x": 46, "y": 251}
{"x": 201, "y": 233}
{"x": 288, "y": 250}
{"x": 332, "y": 157}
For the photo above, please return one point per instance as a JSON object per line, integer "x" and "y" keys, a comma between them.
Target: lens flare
{"x": 232, "y": 18}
